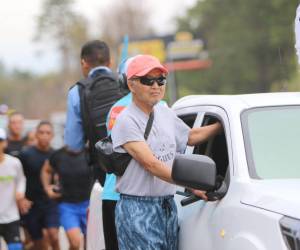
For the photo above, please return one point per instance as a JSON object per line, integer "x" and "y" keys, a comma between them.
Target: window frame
{"x": 220, "y": 114}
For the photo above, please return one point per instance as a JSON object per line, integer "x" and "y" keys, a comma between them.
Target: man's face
{"x": 150, "y": 95}
{"x": 44, "y": 135}
{"x": 16, "y": 124}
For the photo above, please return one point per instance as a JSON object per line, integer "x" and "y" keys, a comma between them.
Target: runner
{"x": 15, "y": 141}
{"x": 44, "y": 211}
{"x": 12, "y": 189}
{"x": 75, "y": 182}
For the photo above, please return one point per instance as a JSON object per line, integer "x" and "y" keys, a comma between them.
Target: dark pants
{"x": 109, "y": 228}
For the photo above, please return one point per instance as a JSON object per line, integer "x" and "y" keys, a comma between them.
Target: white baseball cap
{"x": 2, "y": 134}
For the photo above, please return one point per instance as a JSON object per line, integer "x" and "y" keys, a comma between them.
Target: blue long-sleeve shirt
{"x": 74, "y": 136}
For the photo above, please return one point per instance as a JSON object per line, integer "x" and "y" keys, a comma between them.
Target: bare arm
{"x": 202, "y": 134}
{"x": 46, "y": 175}
{"x": 23, "y": 204}
{"x": 141, "y": 152}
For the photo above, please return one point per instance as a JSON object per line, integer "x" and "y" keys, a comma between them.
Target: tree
{"x": 251, "y": 43}
{"x": 59, "y": 23}
{"x": 124, "y": 18}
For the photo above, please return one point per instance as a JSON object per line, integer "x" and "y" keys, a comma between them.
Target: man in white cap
{"x": 12, "y": 189}
{"x": 146, "y": 215}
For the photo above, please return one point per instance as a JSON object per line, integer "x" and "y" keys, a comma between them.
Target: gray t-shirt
{"x": 12, "y": 180}
{"x": 168, "y": 136}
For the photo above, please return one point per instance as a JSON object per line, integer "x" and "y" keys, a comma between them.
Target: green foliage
{"x": 251, "y": 44}
{"x": 59, "y": 23}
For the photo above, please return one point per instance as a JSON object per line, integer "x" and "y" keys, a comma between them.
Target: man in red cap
{"x": 146, "y": 215}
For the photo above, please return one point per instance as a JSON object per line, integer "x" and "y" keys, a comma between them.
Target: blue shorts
{"x": 73, "y": 215}
{"x": 41, "y": 215}
{"x": 147, "y": 223}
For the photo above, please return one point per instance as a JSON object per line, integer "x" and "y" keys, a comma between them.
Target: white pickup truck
{"x": 251, "y": 173}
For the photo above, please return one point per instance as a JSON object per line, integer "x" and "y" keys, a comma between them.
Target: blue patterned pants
{"x": 144, "y": 223}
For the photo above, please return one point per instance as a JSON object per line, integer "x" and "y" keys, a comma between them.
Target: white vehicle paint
{"x": 250, "y": 214}
{"x": 95, "y": 237}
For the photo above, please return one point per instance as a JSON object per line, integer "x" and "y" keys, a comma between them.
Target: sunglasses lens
{"x": 147, "y": 81}
{"x": 150, "y": 81}
{"x": 161, "y": 80}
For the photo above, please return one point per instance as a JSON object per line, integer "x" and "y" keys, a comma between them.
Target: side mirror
{"x": 195, "y": 171}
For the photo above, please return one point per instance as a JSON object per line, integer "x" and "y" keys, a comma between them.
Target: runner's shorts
{"x": 73, "y": 215}
{"x": 41, "y": 215}
{"x": 147, "y": 223}
{"x": 11, "y": 234}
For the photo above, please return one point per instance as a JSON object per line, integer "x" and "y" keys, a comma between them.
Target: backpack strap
{"x": 100, "y": 77}
{"x": 149, "y": 125}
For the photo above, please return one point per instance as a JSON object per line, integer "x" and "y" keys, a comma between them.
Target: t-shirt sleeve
{"x": 20, "y": 178}
{"x": 181, "y": 134}
{"x": 125, "y": 130}
{"x": 74, "y": 132}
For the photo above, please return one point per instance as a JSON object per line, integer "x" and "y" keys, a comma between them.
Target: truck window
{"x": 189, "y": 119}
{"x": 215, "y": 148}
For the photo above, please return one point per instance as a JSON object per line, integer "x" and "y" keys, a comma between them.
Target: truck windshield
{"x": 272, "y": 140}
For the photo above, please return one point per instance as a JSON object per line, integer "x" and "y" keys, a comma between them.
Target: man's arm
{"x": 141, "y": 152}
{"x": 23, "y": 204}
{"x": 74, "y": 132}
{"x": 202, "y": 134}
{"x": 46, "y": 174}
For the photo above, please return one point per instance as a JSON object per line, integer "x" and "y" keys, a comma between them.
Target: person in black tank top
{"x": 72, "y": 186}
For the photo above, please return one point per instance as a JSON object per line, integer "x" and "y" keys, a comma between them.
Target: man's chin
{"x": 153, "y": 103}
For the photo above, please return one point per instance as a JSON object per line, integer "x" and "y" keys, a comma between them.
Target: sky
{"x": 17, "y": 29}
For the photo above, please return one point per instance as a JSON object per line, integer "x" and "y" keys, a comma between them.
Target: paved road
{"x": 95, "y": 230}
{"x": 64, "y": 245}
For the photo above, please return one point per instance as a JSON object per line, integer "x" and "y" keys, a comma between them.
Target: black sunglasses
{"x": 150, "y": 81}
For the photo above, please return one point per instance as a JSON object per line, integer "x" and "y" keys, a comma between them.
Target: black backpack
{"x": 97, "y": 95}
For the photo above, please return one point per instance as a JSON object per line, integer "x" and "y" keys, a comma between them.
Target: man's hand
{"x": 51, "y": 194}
{"x": 24, "y": 205}
{"x": 200, "y": 193}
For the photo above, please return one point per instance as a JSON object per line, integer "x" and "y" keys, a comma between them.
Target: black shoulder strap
{"x": 149, "y": 125}
{"x": 84, "y": 82}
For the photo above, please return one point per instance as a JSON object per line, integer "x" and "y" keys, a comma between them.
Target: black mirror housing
{"x": 194, "y": 171}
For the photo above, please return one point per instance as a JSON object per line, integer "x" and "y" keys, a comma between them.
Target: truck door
{"x": 199, "y": 228}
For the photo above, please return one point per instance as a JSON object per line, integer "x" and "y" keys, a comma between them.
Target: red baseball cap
{"x": 142, "y": 64}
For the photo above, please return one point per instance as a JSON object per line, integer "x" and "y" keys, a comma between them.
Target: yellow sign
{"x": 184, "y": 36}
{"x": 155, "y": 47}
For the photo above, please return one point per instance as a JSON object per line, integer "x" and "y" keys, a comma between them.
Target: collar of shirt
{"x": 104, "y": 68}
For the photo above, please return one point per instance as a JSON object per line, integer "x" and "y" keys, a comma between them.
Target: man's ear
{"x": 83, "y": 63}
{"x": 130, "y": 84}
